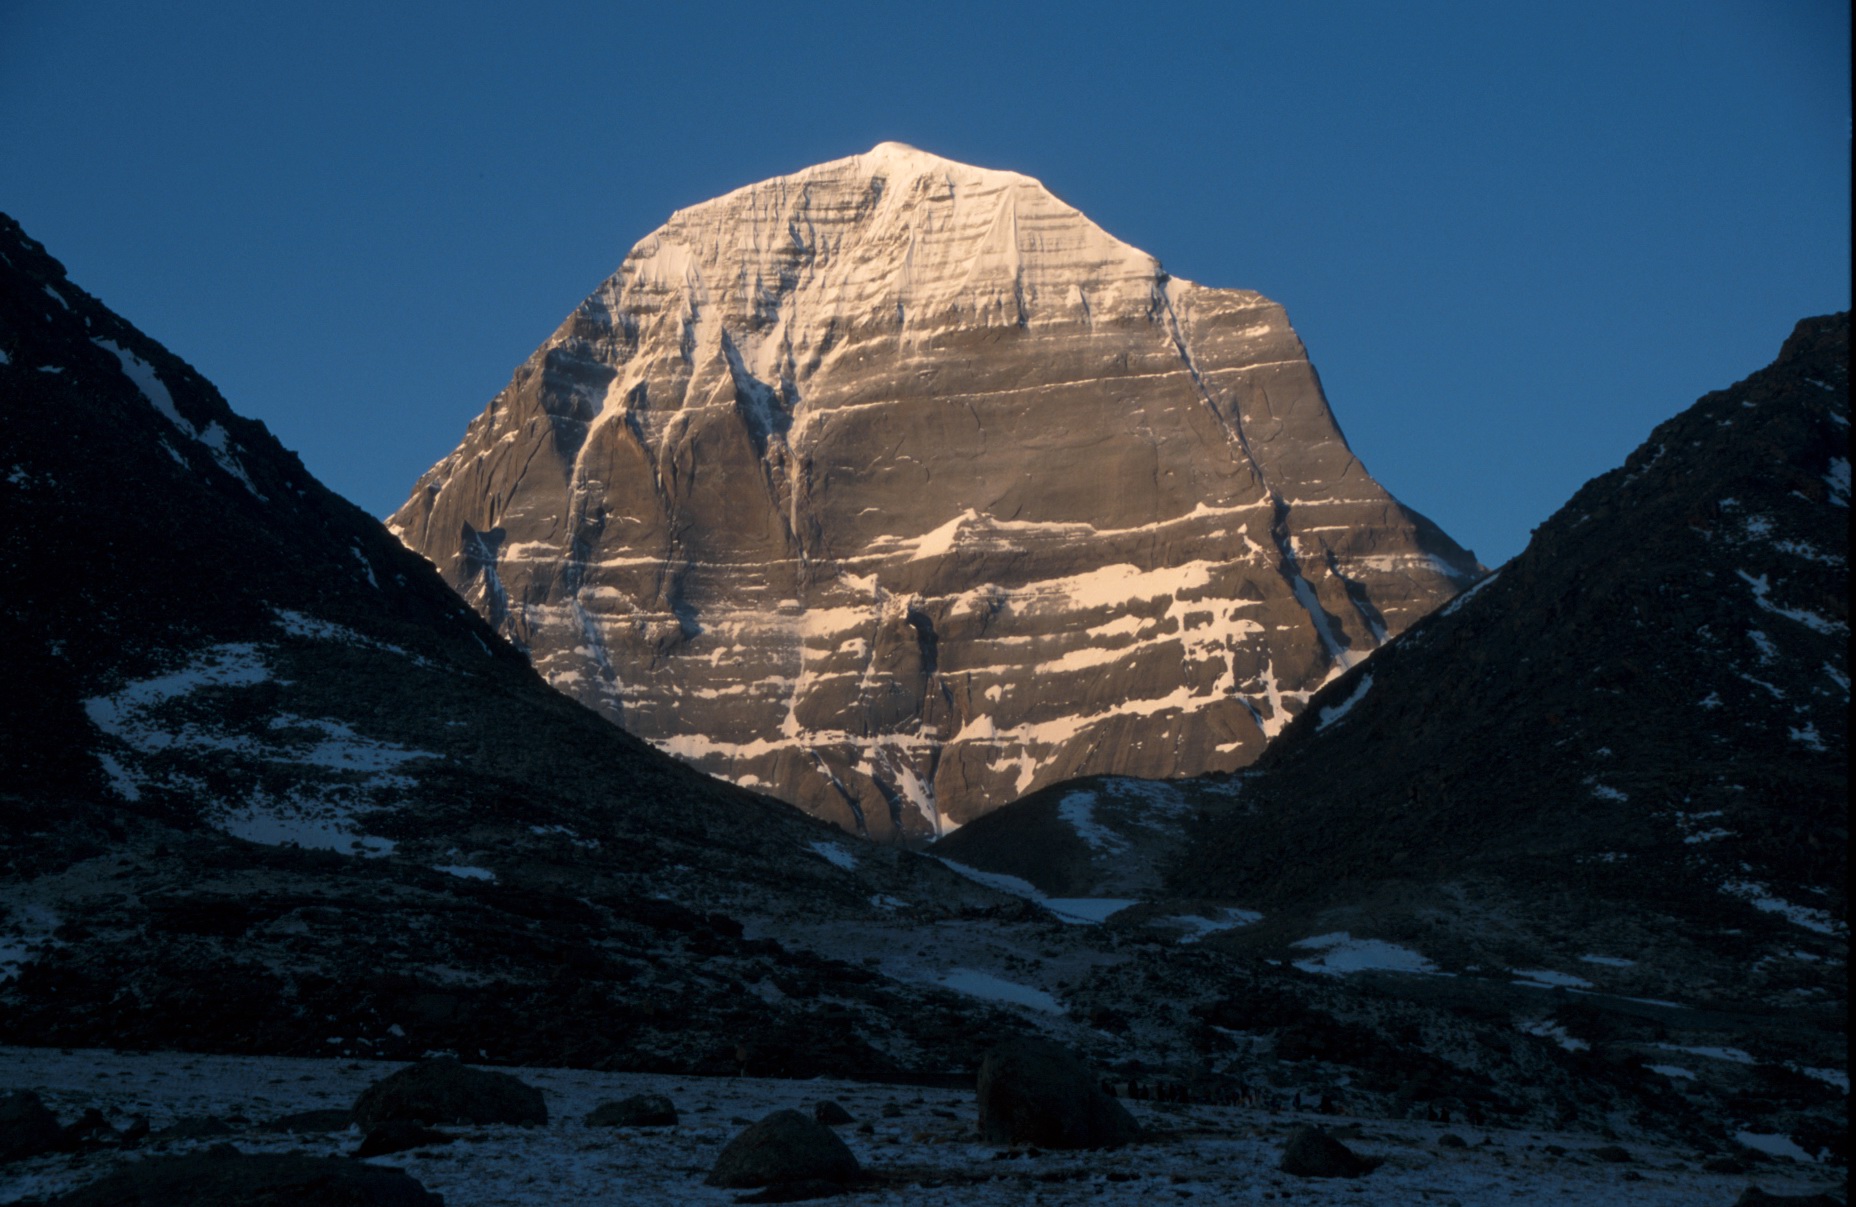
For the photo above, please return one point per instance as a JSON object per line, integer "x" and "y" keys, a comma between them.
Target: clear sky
{"x": 1513, "y": 236}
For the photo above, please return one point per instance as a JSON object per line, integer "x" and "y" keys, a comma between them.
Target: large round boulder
{"x": 445, "y": 1090}
{"x": 1032, "y": 1091}
{"x": 783, "y": 1149}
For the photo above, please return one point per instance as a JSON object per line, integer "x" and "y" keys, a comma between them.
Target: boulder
{"x": 90, "y": 1131}
{"x": 27, "y": 1127}
{"x": 831, "y": 1114}
{"x": 227, "y": 1178}
{"x": 1312, "y": 1153}
{"x": 785, "y": 1149}
{"x": 1032, "y": 1091}
{"x": 640, "y": 1110}
{"x": 445, "y": 1090}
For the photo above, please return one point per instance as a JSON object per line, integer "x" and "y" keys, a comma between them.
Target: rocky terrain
{"x": 274, "y": 791}
{"x": 1604, "y": 794}
{"x": 917, "y": 1145}
{"x": 898, "y": 489}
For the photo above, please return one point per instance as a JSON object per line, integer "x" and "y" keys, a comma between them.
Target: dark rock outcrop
{"x": 269, "y": 783}
{"x": 27, "y": 1127}
{"x": 639, "y": 1110}
{"x": 1033, "y": 1091}
{"x": 785, "y": 1149}
{"x": 445, "y": 1090}
{"x": 233, "y": 1179}
{"x": 897, "y": 488}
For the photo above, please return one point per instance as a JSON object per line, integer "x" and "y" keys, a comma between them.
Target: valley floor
{"x": 925, "y": 1151}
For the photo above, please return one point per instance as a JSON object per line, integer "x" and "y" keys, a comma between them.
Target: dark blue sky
{"x": 1513, "y": 236}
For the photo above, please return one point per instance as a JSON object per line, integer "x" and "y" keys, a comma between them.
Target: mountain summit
{"x": 898, "y": 488}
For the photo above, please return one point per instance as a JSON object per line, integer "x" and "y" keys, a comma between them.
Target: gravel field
{"x": 925, "y": 1151}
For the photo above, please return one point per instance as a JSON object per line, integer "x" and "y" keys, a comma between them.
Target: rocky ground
{"x": 919, "y": 1143}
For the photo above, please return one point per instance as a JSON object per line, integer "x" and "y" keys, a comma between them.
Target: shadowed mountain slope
{"x": 1603, "y": 795}
{"x": 1650, "y": 702}
{"x": 270, "y": 785}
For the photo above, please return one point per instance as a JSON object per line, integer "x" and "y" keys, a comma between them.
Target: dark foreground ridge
{"x": 271, "y": 786}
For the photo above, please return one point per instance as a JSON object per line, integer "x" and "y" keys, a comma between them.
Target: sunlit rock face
{"x": 898, "y": 488}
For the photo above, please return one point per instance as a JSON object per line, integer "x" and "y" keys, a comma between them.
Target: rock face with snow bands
{"x": 898, "y": 488}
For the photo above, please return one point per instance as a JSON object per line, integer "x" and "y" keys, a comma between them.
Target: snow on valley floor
{"x": 927, "y": 1154}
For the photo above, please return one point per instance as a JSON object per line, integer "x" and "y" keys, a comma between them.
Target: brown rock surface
{"x": 898, "y": 489}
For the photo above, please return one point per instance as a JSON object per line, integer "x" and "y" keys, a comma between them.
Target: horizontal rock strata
{"x": 898, "y": 489}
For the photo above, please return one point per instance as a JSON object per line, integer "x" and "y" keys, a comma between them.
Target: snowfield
{"x": 926, "y": 1154}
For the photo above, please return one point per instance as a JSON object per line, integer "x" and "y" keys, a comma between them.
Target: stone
{"x": 1312, "y": 1153}
{"x": 445, "y": 1090}
{"x": 785, "y": 1148}
{"x": 1033, "y": 1091}
{"x": 1612, "y": 1154}
{"x": 898, "y": 489}
{"x": 227, "y": 1178}
{"x": 399, "y": 1135}
{"x": 90, "y": 1130}
{"x": 1451, "y": 1140}
{"x": 27, "y": 1127}
{"x": 639, "y": 1110}
{"x": 831, "y": 1114}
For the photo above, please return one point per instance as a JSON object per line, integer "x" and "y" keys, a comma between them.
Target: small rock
{"x": 892, "y": 1110}
{"x": 1612, "y": 1154}
{"x": 1032, "y": 1091}
{"x": 1451, "y": 1140}
{"x": 27, "y": 1127}
{"x": 831, "y": 1114}
{"x": 1724, "y": 1165}
{"x": 640, "y": 1110}
{"x": 1312, "y": 1153}
{"x": 785, "y": 1149}
{"x": 445, "y": 1090}
{"x": 399, "y": 1135}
